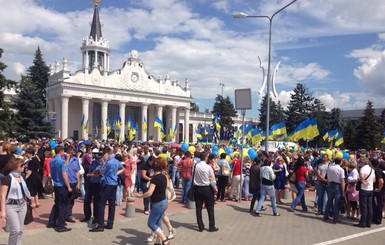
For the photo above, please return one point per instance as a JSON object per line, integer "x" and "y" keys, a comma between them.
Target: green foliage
{"x": 276, "y": 113}
{"x": 6, "y": 114}
{"x": 225, "y": 109}
{"x": 194, "y": 107}
{"x": 300, "y": 106}
{"x": 369, "y": 133}
{"x": 350, "y": 133}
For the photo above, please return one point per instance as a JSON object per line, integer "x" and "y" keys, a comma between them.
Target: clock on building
{"x": 134, "y": 77}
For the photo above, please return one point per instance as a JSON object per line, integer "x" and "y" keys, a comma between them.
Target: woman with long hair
{"x": 14, "y": 195}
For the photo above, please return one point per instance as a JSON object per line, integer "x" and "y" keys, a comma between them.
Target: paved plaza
{"x": 236, "y": 226}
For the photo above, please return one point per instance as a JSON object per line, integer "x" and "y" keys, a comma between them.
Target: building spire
{"x": 96, "y": 26}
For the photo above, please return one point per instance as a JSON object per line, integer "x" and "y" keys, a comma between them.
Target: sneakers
{"x": 172, "y": 233}
{"x": 152, "y": 237}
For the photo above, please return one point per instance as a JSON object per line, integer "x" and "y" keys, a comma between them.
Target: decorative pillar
{"x": 57, "y": 117}
{"x": 85, "y": 112}
{"x": 186, "y": 125}
{"x": 144, "y": 119}
{"x": 104, "y": 118}
{"x": 160, "y": 115}
{"x": 122, "y": 110}
{"x": 64, "y": 117}
{"x": 173, "y": 123}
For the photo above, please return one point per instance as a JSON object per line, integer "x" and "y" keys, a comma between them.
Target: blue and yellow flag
{"x": 325, "y": 134}
{"x": 82, "y": 121}
{"x": 339, "y": 139}
{"x": 383, "y": 140}
{"x": 216, "y": 122}
{"x": 144, "y": 124}
{"x": 332, "y": 134}
{"x": 198, "y": 134}
{"x": 158, "y": 123}
{"x": 278, "y": 129}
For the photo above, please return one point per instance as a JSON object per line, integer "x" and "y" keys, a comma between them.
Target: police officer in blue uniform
{"x": 110, "y": 170}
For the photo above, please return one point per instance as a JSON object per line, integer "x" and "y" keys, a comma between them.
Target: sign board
{"x": 243, "y": 99}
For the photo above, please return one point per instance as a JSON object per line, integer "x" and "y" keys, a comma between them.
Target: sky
{"x": 334, "y": 47}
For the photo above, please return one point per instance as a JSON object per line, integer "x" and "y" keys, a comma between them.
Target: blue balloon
{"x": 215, "y": 153}
{"x": 53, "y": 144}
{"x": 250, "y": 151}
{"x": 184, "y": 147}
{"x": 253, "y": 155}
{"x": 345, "y": 155}
{"x": 215, "y": 148}
{"x": 229, "y": 150}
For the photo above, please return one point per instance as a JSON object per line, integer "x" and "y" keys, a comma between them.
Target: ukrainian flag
{"x": 312, "y": 129}
{"x": 162, "y": 134}
{"x": 144, "y": 124}
{"x": 325, "y": 134}
{"x": 86, "y": 126}
{"x": 82, "y": 122}
{"x": 257, "y": 135}
{"x": 216, "y": 120}
{"x": 158, "y": 123}
{"x": 383, "y": 140}
{"x": 278, "y": 129}
{"x": 198, "y": 134}
{"x": 332, "y": 134}
{"x": 339, "y": 139}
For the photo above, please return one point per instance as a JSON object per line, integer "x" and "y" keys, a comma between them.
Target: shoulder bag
{"x": 358, "y": 184}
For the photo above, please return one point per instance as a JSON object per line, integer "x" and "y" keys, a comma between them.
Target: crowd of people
{"x": 110, "y": 173}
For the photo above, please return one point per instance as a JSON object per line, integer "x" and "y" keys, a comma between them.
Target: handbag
{"x": 293, "y": 178}
{"x": 48, "y": 188}
{"x": 358, "y": 184}
{"x": 190, "y": 192}
{"x": 170, "y": 191}
{"x": 28, "y": 216}
{"x": 225, "y": 171}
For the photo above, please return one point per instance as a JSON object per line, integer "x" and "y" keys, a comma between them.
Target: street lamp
{"x": 270, "y": 18}
{"x": 222, "y": 85}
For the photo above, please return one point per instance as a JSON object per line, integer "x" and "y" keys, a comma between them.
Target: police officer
{"x": 73, "y": 167}
{"x": 110, "y": 170}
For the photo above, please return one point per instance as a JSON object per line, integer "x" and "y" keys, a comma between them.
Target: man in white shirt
{"x": 367, "y": 178}
{"x": 204, "y": 189}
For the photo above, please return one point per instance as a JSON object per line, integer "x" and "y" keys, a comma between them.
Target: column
{"x": 95, "y": 64}
{"x": 85, "y": 112}
{"x": 186, "y": 125}
{"x": 173, "y": 123}
{"x": 105, "y": 62}
{"x": 57, "y": 117}
{"x": 104, "y": 117}
{"x": 160, "y": 115}
{"x": 64, "y": 117}
{"x": 144, "y": 117}
{"x": 122, "y": 114}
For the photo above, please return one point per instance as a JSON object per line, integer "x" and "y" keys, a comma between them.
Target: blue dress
{"x": 280, "y": 177}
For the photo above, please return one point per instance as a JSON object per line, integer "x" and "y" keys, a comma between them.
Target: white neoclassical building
{"x": 98, "y": 95}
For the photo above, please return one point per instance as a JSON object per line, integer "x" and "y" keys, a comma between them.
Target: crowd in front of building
{"x": 105, "y": 173}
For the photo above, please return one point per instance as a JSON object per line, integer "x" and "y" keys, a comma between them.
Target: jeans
{"x": 245, "y": 187}
{"x": 186, "y": 184}
{"x": 322, "y": 196}
{"x": 146, "y": 201}
{"x": 366, "y": 207}
{"x": 15, "y": 222}
{"x": 119, "y": 195}
{"x": 82, "y": 186}
{"x": 269, "y": 190}
{"x": 334, "y": 194}
{"x": 139, "y": 181}
{"x": 300, "y": 185}
{"x": 157, "y": 212}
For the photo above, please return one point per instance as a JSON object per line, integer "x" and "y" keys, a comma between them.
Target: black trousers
{"x": 108, "y": 193}
{"x": 366, "y": 207}
{"x": 378, "y": 205}
{"x": 92, "y": 196}
{"x": 71, "y": 200}
{"x": 256, "y": 195}
{"x": 204, "y": 194}
{"x": 223, "y": 182}
{"x": 56, "y": 217}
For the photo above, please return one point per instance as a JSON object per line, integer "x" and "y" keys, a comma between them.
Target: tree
{"x": 349, "y": 134}
{"x": 194, "y": 107}
{"x": 225, "y": 110}
{"x": 31, "y": 113}
{"x": 334, "y": 119}
{"x": 369, "y": 132}
{"x": 319, "y": 111}
{"x": 6, "y": 115}
{"x": 275, "y": 112}
{"x": 300, "y": 106}
{"x": 39, "y": 73}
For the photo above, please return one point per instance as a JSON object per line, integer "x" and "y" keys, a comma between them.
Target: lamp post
{"x": 270, "y": 18}
{"x": 222, "y": 85}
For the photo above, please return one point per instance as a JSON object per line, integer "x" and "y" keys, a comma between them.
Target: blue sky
{"x": 334, "y": 47}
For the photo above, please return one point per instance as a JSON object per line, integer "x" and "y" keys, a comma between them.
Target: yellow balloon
{"x": 351, "y": 156}
{"x": 323, "y": 152}
{"x": 295, "y": 148}
{"x": 228, "y": 158}
{"x": 339, "y": 154}
{"x": 245, "y": 152}
{"x": 329, "y": 153}
{"x": 220, "y": 151}
{"x": 191, "y": 149}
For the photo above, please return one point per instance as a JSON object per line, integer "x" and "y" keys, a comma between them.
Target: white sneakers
{"x": 153, "y": 235}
